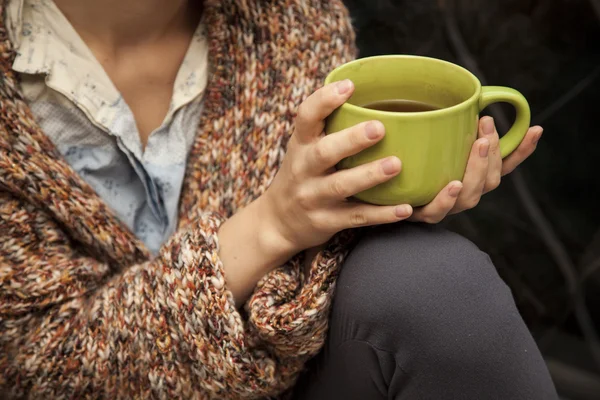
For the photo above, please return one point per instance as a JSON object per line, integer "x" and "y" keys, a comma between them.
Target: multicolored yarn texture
{"x": 86, "y": 313}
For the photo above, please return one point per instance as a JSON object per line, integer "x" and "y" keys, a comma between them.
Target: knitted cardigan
{"x": 85, "y": 312}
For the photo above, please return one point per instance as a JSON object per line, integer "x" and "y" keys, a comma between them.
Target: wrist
{"x": 272, "y": 237}
{"x": 251, "y": 246}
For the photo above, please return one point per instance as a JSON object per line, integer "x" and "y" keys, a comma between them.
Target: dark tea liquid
{"x": 400, "y": 105}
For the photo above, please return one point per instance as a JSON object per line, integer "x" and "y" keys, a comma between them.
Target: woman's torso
{"x": 87, "y": 118}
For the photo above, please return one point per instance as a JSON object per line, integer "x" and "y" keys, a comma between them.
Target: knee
{"x": 422, "y": 283}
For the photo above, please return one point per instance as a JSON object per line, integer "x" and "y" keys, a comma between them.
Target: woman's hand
{"x": 484, "y": 172}
{"x": 306, "y": 203}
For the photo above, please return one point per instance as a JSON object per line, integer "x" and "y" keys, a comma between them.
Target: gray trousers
{"x": 421, "y": 313}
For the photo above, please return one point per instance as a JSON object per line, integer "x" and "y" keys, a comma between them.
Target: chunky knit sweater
{"x": 85, "y": 312}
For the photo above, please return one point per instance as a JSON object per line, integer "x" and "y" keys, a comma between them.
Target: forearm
{"x": 171, "y": 310}
{"x": 250, "y": 248}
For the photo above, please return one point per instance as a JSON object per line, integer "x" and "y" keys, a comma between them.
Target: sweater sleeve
{"x": 166, "y": 328}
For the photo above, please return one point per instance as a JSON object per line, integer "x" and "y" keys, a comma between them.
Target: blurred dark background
{"x": 542, "y": 226}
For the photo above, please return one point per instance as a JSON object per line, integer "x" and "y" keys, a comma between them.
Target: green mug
{"x": 434, "y": 146}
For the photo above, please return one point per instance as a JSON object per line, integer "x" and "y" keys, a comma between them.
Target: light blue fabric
{"x": 142, "y": 191}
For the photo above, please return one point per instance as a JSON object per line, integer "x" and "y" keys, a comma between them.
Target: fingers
{"x": 475, "y": 176}
{"x": 525, "y": 149}
{"x": 356, "y": 215}
{"x": 332, "y": 148}
{"x": 484, "y": 171}
{"x": 310, "y": 120}
{"x": 348, "y": 182}
{"x": 487, "y": 129}
{"x": 440, "y": 207}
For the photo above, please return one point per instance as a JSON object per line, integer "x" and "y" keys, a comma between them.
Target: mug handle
{"x": 499, "y": 94}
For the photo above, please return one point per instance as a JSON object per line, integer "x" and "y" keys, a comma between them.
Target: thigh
{"x": 351, "y": 370}
{"x": 420, "y": 312}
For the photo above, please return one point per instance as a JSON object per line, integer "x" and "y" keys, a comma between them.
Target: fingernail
{"x": 403, "y": 211}
{"x": 454, "y": 190}
{"x": 488, "y": 125}
{"x": 344, "y": 86}
{"x": 484, "y": 149}
{"x": 390, "y": 165}
{"x": 373, "y": 131}
{"x": 538, "y": 136}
